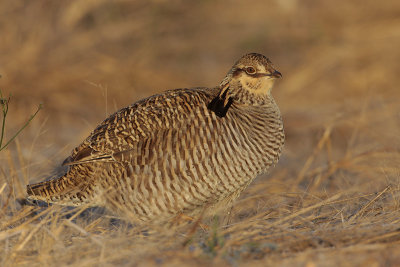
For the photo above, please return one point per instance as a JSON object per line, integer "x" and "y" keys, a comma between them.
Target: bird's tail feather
{"x": 63, "y": 190}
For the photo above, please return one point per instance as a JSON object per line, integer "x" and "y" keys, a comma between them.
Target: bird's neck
{"x": 246, "y": 97}
{"x": 262, "y": 109}
{"x": 258, "y": 110}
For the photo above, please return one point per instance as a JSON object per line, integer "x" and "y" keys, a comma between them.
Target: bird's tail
{"x": 64, "y": 190}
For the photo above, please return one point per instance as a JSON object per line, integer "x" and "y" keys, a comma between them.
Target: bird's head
{"x": 248, "y": 82}
{"x": 255, "y": 73}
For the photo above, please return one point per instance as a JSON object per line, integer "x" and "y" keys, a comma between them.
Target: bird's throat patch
{"x": 220, "y": 104}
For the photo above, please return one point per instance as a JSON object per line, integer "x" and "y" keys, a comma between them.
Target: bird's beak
{"x": 276, "y": 74}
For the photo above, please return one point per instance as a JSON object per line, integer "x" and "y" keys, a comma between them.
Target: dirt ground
{"x": 334, "y": 197}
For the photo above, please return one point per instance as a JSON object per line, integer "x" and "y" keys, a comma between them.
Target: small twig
{"x": 2, "y": 188}
{"x": 4, "y": 105}
{"x": 193, "y": 229}
{"x": 84, "y": 232}
{"x": 4, "y": 102}
{"x": 322, "y": 142}
{"x": 30, "y": 235}
{"x": 305, "y": 210}
{"x": 23, "y": 127}
{"x": 361, "y": 211}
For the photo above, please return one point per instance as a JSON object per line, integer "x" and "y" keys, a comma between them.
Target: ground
{"x": 332, "y": 200}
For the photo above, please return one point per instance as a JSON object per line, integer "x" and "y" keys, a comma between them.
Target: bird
{"x": 180, "y": 152}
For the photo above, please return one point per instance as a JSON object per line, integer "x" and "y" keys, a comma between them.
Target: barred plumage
{"x": 177, "y": 152}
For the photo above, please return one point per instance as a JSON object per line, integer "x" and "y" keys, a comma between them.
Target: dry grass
{"x": 333, "y": 199}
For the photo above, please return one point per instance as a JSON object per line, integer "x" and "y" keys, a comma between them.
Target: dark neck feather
{"x": 220, "y": 104}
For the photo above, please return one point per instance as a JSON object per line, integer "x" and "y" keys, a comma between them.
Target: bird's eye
{"x": 250, "y": 70}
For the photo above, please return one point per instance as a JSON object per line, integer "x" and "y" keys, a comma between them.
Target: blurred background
{"x": 85, "y": 59}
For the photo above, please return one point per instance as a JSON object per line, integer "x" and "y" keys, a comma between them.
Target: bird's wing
{"x": 118, "y": 137}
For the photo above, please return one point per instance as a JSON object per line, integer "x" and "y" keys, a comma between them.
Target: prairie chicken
{"x": 179, "y": 152}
